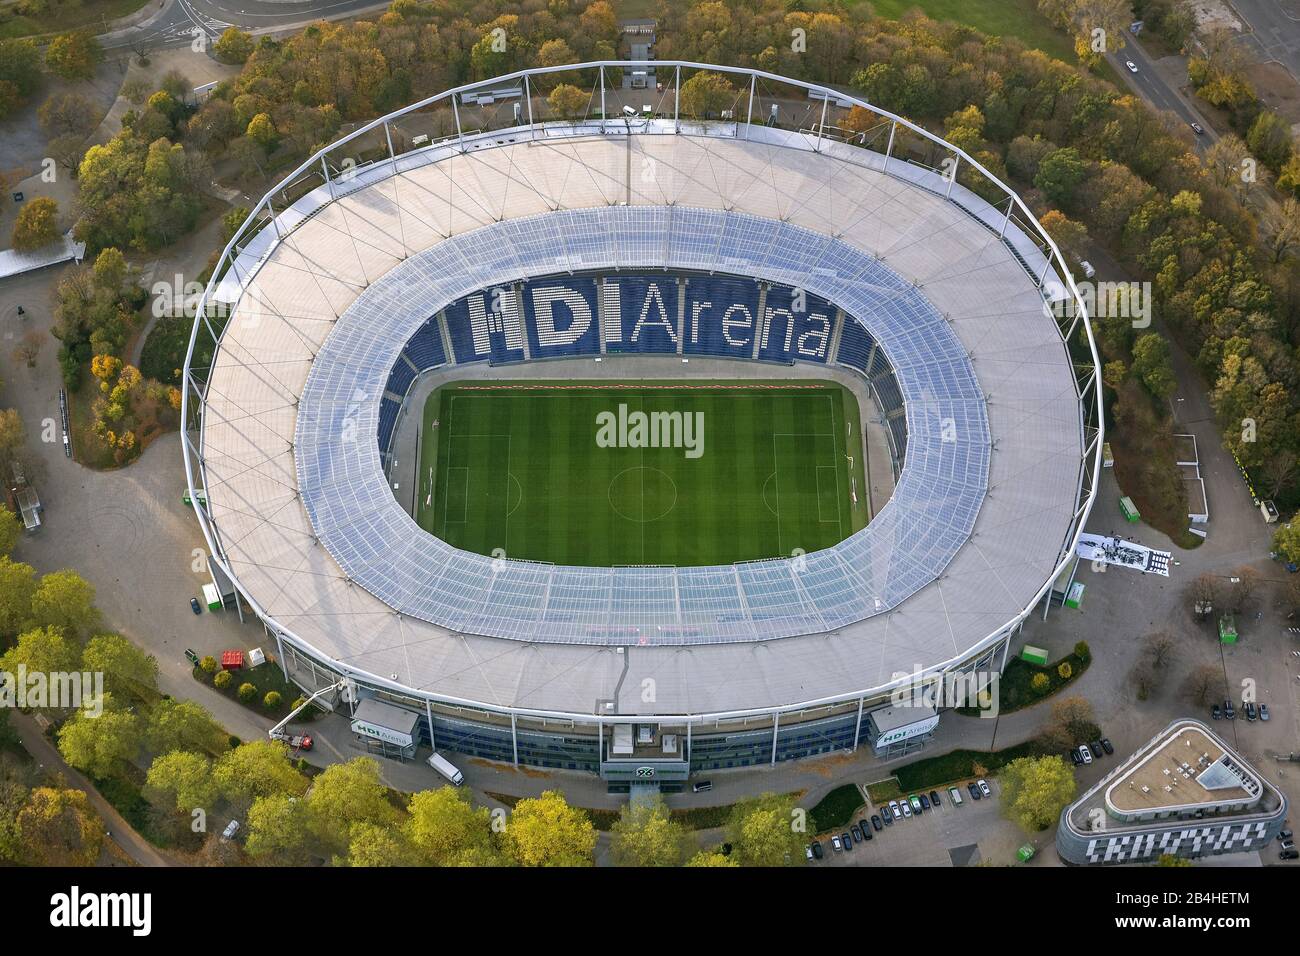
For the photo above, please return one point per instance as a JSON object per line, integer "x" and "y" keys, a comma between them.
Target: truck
{"x": 295, "y": 741}
{"x": 446, "y": 768}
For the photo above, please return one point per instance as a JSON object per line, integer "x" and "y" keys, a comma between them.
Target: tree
{"x": 258, "y": 768}
{"x": 1071, "y": 720}
{"x": 1159, "y": 648}
{"x": 347, "y": 794}
{"x": 73, "y": 56}
{"x": 763, "y": 832}
{"x": 128, "y": 671}
{"x": 374, "y": 845}
{"x": 233, "y": 46}
{"x": 58, "y": 827}
{"x": 68, "y": 151}
{"x": 1143, "y": 678}
{"x": 1153, "y": 366}
{"x": 646, "y": 835}
{"x": 705, "y": 95}
{"x": 546, "y": 831}
{"x": 1203, "y": 684}
{"x": 65, "y": 600}
{"x": 183, "y": 725}
{"x": 183, "y": 780}
{"x": 1060, "y": 173}
{"x": 1069, "y": 235}
{"x": 41, "y": 650}
{"x": 567, "y": 101}
{"x": 1242, "y": 584}
{"x": 101, "y": 746}
{"x": 11, "y": 529}
{"x": 20, "y": 73}
{"x": 37, "y": 225}
{"x": 447, "y": 830}
{"x": 278, "y": 828}
{"x": 711, "y": 858}
{"x": 1202, "y": 593}
{"x": 67, "y": 113}
{"x": 17, "y": 585}
{"x": 262, "y": 132}
{"x": 1269, "y": 139}
{"x": 1035, "y": 790}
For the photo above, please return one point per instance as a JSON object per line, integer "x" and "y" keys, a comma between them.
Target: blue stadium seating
{"x": 400, "y": 378}
{"x": 721, "y": 316}
{"x": 855, "y": 345}
{"x": 486, "y": 325}
{"x": 569, "y": 320}
{"x": 647, "y": 313}
{"x": 425, "y": 348}
{"x": 797, "y": 326}
{"x": 388, "y": 410}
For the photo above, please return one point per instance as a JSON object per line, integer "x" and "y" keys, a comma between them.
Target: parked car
{"x": 1228, "y": 712}
{"x": 1198, "y": 129}
{"x": 847, "y": 840}
{"x": 955, "y": 795}
{"x": 1263, "y": 711}
{"x": 195, "y": 606}
{"x": 984, "y": 787}
{"x": 974, "y": 791}
{"x": 934, "y": 798}
{"x": 865, "y": 829}
{"x": 817, "y": 850}
{"x": 1291, "y": 854}
{"x": 1095, "y": 747}
{"x": 857, "y": 833}
{"x": 925, "y": 802}
{"x": 915, "y": 801}
{"x": 1132, "y": 67}
{"x": 1285, "y": 835}
{"x": 907, "y": 809}
{"x": 1215, "y": 712}
{"x": 875, "y": 823}
{"x": 702, "y": 786}
{"x": 894, "y": 809}
{"x": 1106, "y": 745}
{"x": 886, "y": 817}
{"x": 1075, "y": 756}
{"x": 1085, "y": 753}
{"x": 1249, "y": 707}
{"x": 808, "y": 852}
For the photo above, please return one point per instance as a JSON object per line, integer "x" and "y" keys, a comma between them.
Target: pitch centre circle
{"x": 642, "y": 494}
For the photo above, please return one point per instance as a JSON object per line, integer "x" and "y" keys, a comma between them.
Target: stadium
{"x": 395, "y": 387}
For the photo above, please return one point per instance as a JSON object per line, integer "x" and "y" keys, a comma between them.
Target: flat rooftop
{"x": 1188, "y": 768}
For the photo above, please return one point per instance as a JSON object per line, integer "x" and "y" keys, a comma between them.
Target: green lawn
{"x": 1014, "y": 18}
{"x": 89, "y": 15}
{"x": 836, "y": 809}
{"x": 556, "y": 472}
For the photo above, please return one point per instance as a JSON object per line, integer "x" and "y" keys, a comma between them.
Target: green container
{"x": 1227, "y": 629}
{"x": 1074, "y": 597}
{"x": 1035, "y": 655}
{"x": 1128, "y": 509}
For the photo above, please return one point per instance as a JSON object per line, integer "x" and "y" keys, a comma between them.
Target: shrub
{"x": 271, "y": 700}
{"x": 1040, "y": 683}
{"x": 1065, "y": 670}
{"x": 221, "y": 680}
{"x": 247, "y": 692}
{"x": 208, "y": 665}
{"x": 1082, "y": 651}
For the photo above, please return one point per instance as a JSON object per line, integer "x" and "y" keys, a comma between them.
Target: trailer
{"x": 446, "y": 769}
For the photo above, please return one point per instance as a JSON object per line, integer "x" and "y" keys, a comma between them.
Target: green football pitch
{"x": 651, "y": 474}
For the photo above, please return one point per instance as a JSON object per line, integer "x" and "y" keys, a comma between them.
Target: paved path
{"x": 48, "y": 757}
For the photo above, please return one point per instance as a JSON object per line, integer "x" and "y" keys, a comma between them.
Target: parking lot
{"x": 974, "y": 832}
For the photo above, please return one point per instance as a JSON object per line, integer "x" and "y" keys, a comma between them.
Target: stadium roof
{"x": 325, "y": 301}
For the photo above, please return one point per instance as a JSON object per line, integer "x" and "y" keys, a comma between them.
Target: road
{"x": 178, "y": 22}
{"x": 1275, "y": 30}
{"x": 1151, "y": 86}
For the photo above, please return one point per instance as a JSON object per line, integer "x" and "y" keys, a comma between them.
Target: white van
{"x": 447, "y": 769}
{"x": 956, "y": 796}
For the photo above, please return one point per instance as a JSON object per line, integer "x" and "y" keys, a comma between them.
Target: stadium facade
{"x": 457, "y": 232}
